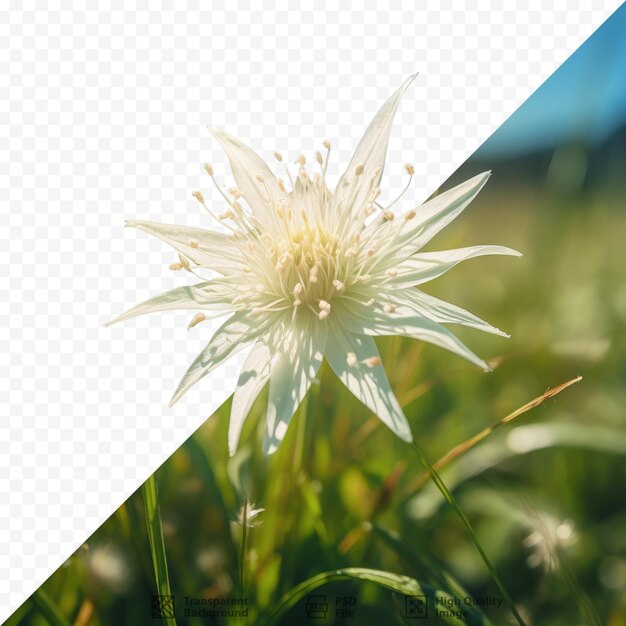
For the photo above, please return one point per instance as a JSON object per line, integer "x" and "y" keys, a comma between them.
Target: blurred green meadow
{"x": 544, "y": 492}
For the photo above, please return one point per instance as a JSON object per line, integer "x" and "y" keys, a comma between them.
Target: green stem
{"x": 157, "y": 545}
{"x": 48, "y": 608}
{"x": 244, "y": 541}
{"x": 432, "y": 472}
{"x": 301, "y": 435}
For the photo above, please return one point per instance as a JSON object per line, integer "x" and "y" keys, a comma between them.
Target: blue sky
{"x": 584, "y": 99}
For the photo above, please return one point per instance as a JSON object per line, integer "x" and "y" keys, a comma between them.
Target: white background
{"x": 103, "y": 118}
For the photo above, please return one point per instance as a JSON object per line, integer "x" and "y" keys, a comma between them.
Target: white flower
{"x": 308, "y": 274}
{"x": 549, "y": 538}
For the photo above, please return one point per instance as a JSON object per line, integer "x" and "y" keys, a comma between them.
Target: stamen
{"x": 339, "y": 286}
{"x": 358, "y": 170}
{"x": 318, "y": 157}
{"x": 209, "y": 169}
{"x": 410, "y": 215}
{"x": 278, "y": 156}
{"x": 199, "y": 197}
{"x": 326, "y": 145}
{"x": 193, "y": 243}
{"x": 410, "y": 170}
{"x": 351, "y": 359}
{"x": 388, "y": 215}
{"x": 389, "y": 308}
{"x": 372, "y": 361}
{"x": 176, "y": 267}
{"x": 196, "y": 319}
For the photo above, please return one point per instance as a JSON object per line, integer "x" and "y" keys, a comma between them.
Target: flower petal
{"x": 436, "y": 214}
{"x": 238, "y": 330}
{"x": 254, "y": 374}
{"x": 402, "y": 237}
{"x": 312, "y": 197}
{"x": 444, "y": 312}
{"x": 200, "y": 296}
{"x": 358, "y": 318}
{"x": 367, "y": 382}
{"x": 425, "y": 266}
{"x": 299, "y": 356}
{"x": 247, "y": 166}
{"x": 213, "y": 250}
{"x": 370, "y": 154}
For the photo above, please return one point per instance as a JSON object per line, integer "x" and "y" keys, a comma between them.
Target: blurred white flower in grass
{"x": 549, "y": 538}
{"x": 308, "y": 274}
{"x": 108, "y": 564}
{"x": 249, "y": 516}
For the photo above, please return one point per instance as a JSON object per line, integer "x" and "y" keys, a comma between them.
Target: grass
{"x": 155, "y": 536}
{"x": 349, "y": 510}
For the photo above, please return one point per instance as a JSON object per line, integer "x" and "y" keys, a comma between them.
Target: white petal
{"x": 444, "y": 312}
{"x": 230, "y": 338}
{"x": 437, "y": 213}
{"x": 200, "y": 296}
{"x": 368, "y": 383}
{"x": 214, "y": 250}
{"x": 312, "y": 196}
{"x": 426, "y": 266}
{"x": 247, "y": 166}
{"x": 254, "y": 374}
{"x": 429, "y": 219}
{"x": 298, "y": 359}
{"x": 370, "y": 154}
{"x": 361, "y": 319}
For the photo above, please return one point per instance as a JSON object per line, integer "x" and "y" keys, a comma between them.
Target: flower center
{"x": 311, "y": 267}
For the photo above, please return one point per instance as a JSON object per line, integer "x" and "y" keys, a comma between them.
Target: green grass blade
{"x": 443, "y": 579}
{"x": 432, "y": 472}
{"x": 49, "y": 609}
{"x": 155, "y": 535}
{"x": 520, "y": 441}
{"x": 388, "y": 580}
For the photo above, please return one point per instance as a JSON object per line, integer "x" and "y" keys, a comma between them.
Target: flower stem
{"x": 432, "y": 472}
{"x": 155, "y": 536}
{"x": 298, "y": 460}
{"x": 244, "y": 541}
